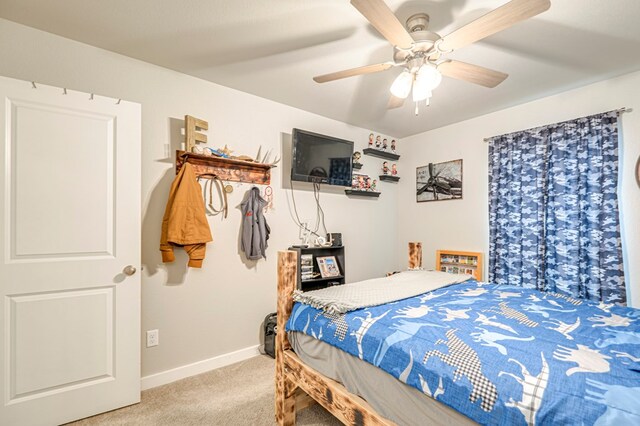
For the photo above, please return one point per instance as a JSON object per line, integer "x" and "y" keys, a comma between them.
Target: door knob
{"x": 129, "y": 270}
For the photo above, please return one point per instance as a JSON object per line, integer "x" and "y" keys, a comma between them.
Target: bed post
{"x": 285, "y": 396}
{"x": 415, "y": 255}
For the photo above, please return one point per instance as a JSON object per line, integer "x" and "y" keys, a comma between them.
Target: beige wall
{"x": 218, "y": 309}
{"x": 463, "y": 224}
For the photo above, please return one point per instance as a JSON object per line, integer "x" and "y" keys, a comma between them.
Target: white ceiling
{"x": 272, "y": 48}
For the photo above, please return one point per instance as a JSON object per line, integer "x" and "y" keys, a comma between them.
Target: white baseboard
{"x": 199, "y": 367}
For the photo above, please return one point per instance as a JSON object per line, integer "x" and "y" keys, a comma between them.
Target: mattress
{"x": 497, "y": 354}
{"x": 391, "y": 398}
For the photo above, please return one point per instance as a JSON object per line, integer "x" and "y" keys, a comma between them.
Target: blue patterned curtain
{"x": 553, "y": 209}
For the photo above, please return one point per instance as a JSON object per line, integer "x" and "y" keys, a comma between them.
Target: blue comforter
{"x": 499, "y": 354}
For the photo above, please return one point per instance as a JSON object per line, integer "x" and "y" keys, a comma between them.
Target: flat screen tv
{"x": 321, "y": 159}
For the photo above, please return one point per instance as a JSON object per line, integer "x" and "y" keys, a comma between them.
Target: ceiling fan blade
{"x": 382, "y": 18}
{"x": 495, "y": 21}
{"x": 395, "y": 102}
{"x": 368, "y": 69}
{"x": 472, "y": 73}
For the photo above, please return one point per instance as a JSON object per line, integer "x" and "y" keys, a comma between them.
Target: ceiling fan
{"x": 422, "y": 52}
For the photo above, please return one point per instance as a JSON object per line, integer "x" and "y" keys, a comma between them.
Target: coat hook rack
{"x": 225, "y": 169}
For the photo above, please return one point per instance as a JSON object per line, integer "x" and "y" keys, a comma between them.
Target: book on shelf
{"x": 311, "y": 276}
{"x": 306, "y": 260}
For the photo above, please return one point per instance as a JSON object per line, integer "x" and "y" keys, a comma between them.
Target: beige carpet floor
{"x": 239, "y": 394}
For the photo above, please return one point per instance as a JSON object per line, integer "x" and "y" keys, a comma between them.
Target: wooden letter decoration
{"x": 415, "y": 255}
{"x": 192, "y": 135}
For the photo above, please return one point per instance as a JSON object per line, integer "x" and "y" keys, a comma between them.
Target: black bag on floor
{"x": 270, "y": 329}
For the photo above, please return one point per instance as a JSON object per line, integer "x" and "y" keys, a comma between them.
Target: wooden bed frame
{"x": 297, "y": 385}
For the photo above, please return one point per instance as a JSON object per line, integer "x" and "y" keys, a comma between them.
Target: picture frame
{"x": 328, "y": 266}
{"x": 439, "y": 181}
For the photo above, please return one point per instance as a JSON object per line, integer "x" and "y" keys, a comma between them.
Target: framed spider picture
{"x": 439, "y": 181}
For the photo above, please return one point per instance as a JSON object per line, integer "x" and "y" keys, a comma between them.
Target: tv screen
{"x": 321, "y": 159}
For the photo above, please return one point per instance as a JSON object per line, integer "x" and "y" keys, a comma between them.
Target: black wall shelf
{"x": 362, "y": 193}
{"x": 357, "y": 166}
{"x": 380, "y": 154}
{"x": 389, "y": 178}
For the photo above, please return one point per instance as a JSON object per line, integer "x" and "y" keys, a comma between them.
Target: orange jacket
{"x": 185, "y": 222}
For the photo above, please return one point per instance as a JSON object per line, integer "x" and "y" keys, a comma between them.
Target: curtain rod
{"x": 619, "y": 111}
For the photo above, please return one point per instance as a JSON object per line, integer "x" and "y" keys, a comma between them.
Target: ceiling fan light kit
{"x": 421, "y": 52}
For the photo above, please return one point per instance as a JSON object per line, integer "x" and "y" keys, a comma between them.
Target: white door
{"x": 69, "y": 226}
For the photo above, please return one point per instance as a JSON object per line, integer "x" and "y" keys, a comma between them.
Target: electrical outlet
{"x": 153, "y": 338}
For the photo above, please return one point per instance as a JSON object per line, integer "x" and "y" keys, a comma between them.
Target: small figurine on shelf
{"x": 378, "y": 141}
{"x": 393, "y": 145}
{"x": 373, "y": 185}
{"x": 361, "y": 183}
{"x": 369, "y": 184}
{"x": 394, "y": 171}
{"x": 385, "y": 168}
{"x": 370, "y": 140}
{"x": 356, "y": 157}
{"x": 384, "y": 144}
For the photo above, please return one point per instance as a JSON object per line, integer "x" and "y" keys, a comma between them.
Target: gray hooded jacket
{"x": 255, "y": 230}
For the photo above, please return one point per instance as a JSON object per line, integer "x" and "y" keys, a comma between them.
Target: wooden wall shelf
{"x": 380, "y": 153}
{"x": 389, "y": 178}
{"x": 362, "y": 193}
{"x": 225, "y": 168}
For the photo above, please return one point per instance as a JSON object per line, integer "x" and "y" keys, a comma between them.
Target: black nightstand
{"x": 318, "y": 283}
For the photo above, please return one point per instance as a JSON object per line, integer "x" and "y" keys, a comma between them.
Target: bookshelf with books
{"x": 460, "y": 262}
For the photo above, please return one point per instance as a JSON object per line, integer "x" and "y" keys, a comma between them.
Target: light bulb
{"x": 402, "y": 85}
{"x": 420, "y": 91}
{"x": 429, "y": 77}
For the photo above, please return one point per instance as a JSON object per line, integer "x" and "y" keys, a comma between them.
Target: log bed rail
{"x": 297, "y": 385}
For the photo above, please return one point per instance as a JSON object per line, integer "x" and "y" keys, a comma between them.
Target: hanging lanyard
{"x": 214, "y": 180}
